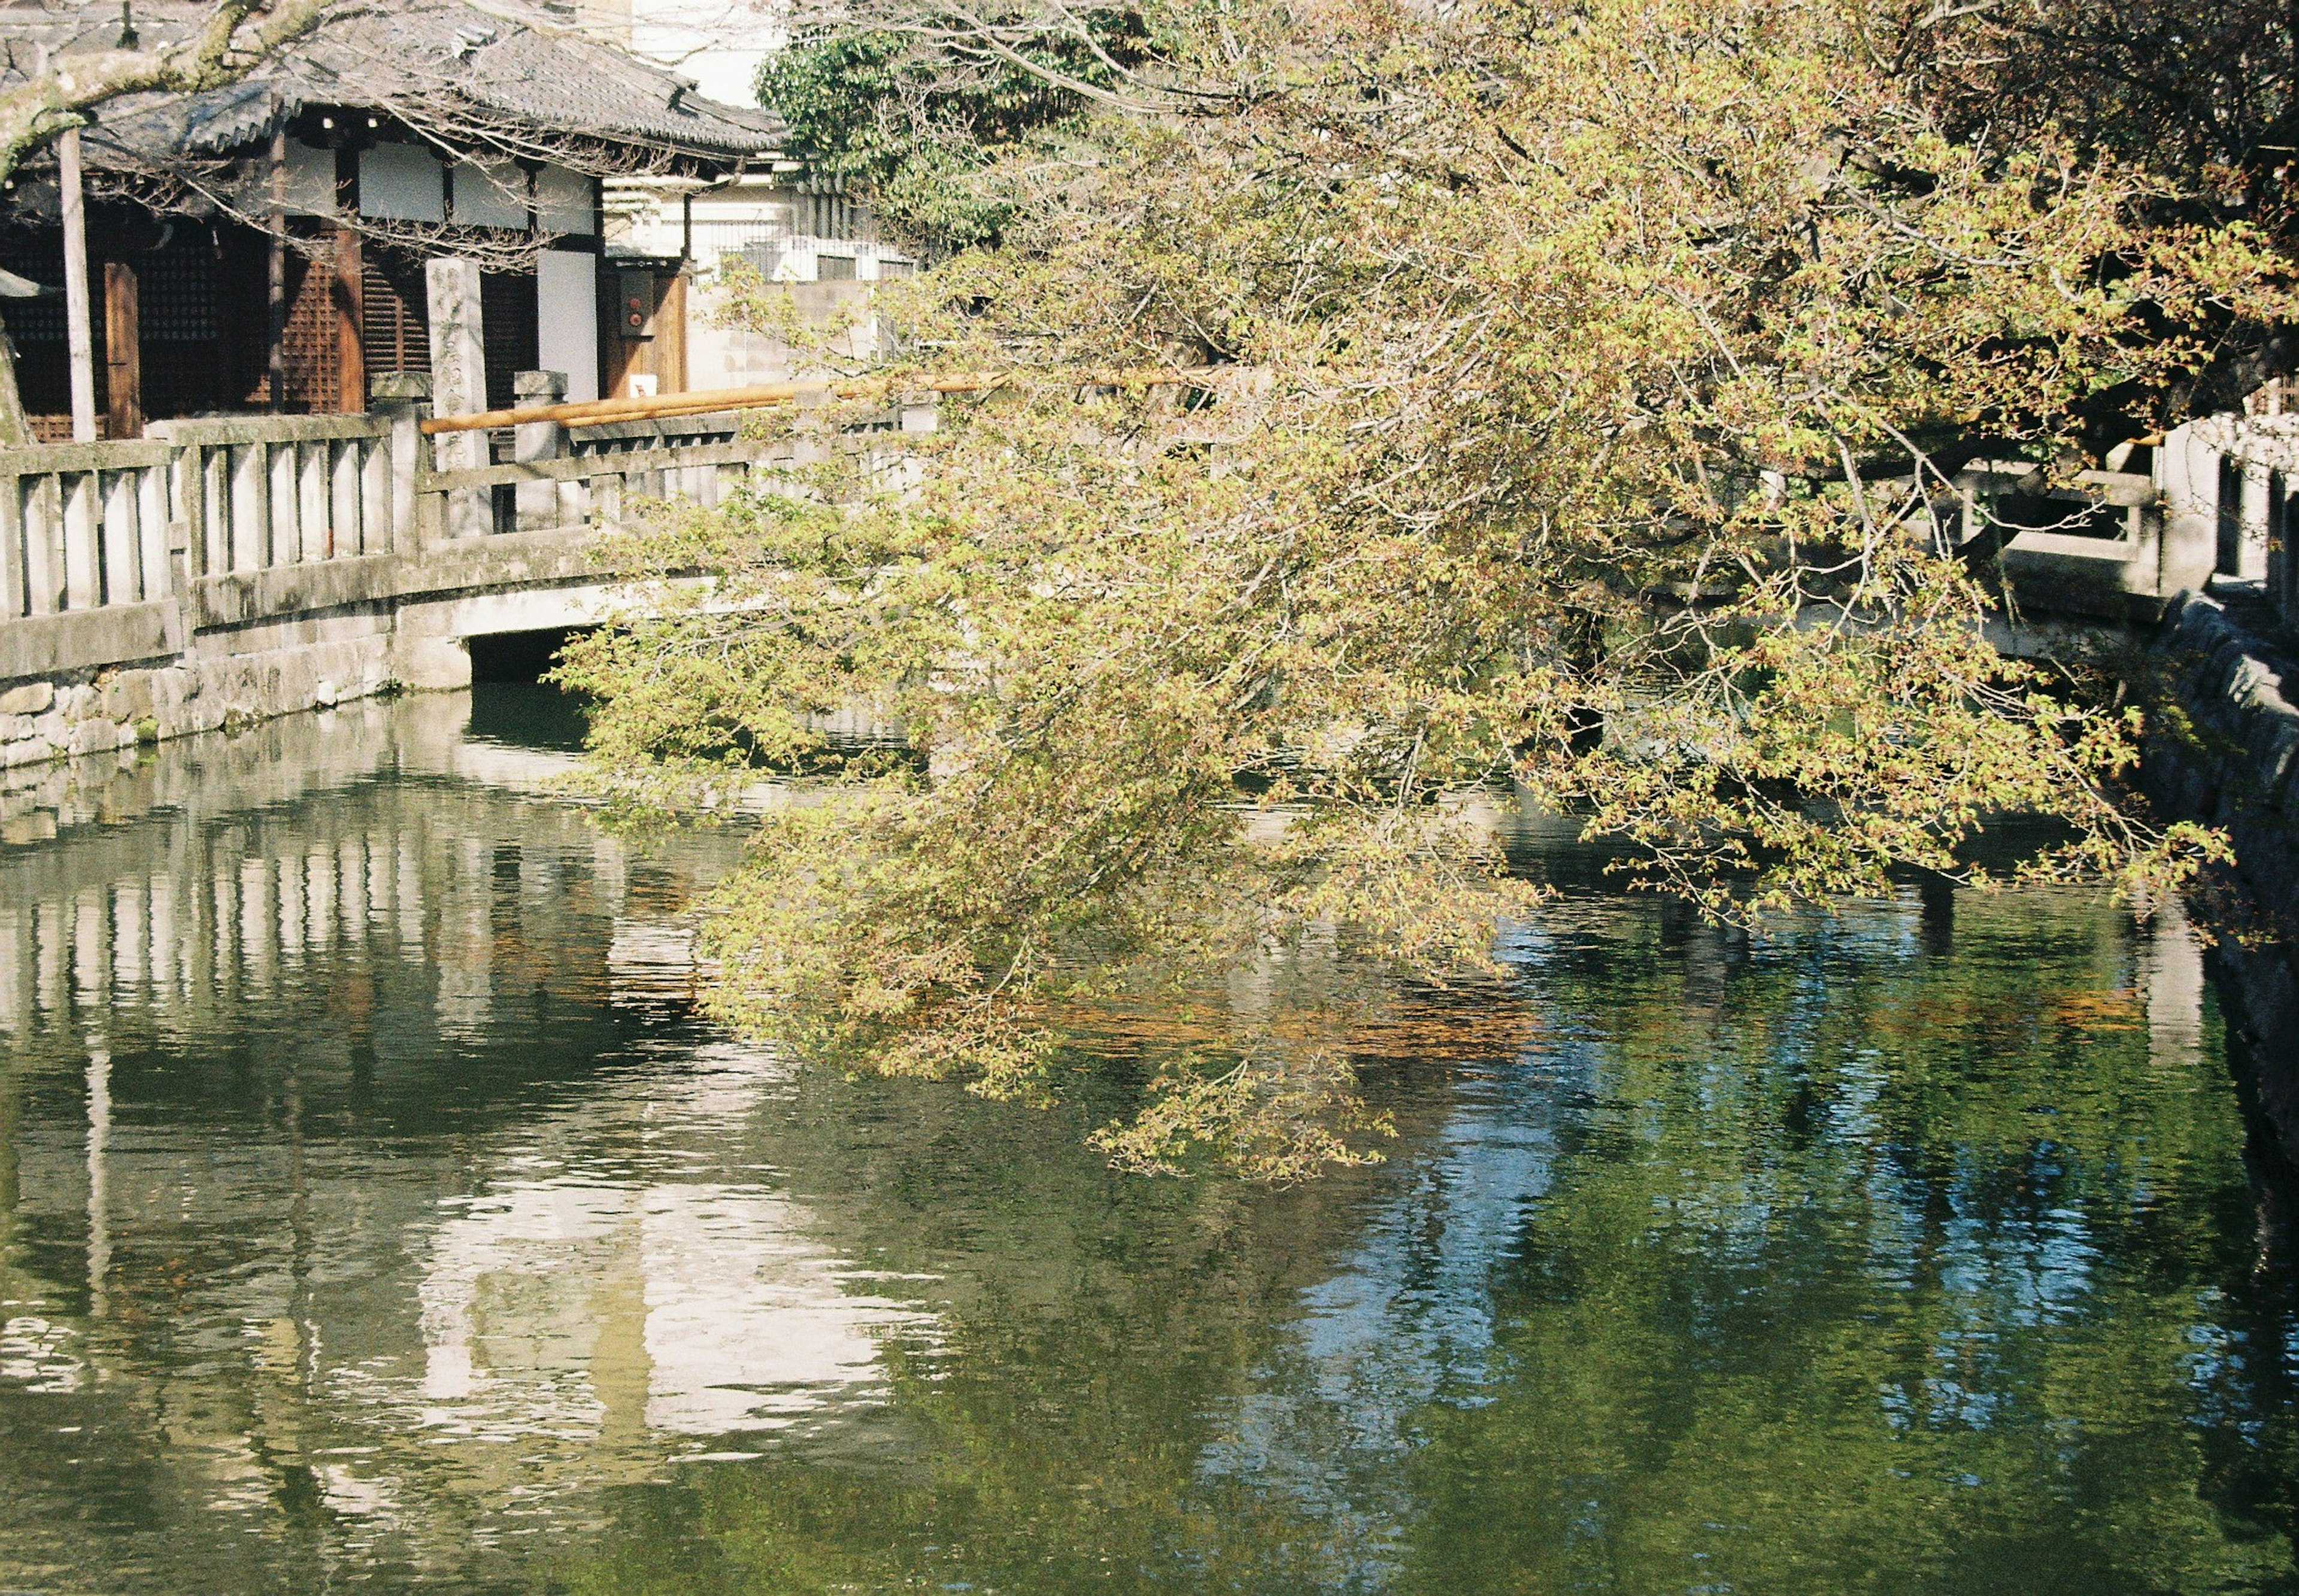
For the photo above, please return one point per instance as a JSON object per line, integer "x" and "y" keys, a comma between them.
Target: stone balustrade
{"x": 235, "y": 569}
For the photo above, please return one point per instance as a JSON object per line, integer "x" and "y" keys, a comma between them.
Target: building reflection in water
{"x": 396, "y": 1174}
{"x": 601, "y": 1300}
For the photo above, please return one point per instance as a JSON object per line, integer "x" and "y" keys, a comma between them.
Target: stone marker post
{"x": 459, "y": 386}
{"x": 540, "y": 504}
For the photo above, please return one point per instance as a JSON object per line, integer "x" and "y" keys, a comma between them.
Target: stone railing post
{"x": 187, "y": 551}
{"x": 810, "y": 434}
{"x": 540, "y": 504}
{"x": 459, "y": 385}
{"x": 402, "y": 399}
{"x": 2253, "y": 514}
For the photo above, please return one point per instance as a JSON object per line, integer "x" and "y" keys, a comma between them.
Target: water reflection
{"x": 591, "y": 1274}
{"x": 373, "y": 1211}
{"x": 388, "y": 1133}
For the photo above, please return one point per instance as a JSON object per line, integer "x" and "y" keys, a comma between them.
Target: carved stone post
{"x": 459, "y": 386}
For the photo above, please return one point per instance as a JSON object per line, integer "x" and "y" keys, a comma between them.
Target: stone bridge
{"x": 227, "y": 571}
{"x": 218, "y": 571}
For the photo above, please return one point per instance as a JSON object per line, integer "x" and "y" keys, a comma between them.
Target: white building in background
{"x": 786, "y": 224}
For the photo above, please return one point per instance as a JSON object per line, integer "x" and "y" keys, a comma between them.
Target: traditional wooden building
{"x": 262, "y": 247}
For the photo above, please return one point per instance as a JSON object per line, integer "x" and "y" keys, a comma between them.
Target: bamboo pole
{"x": 597, "y": 410}
{"x": 596, "y": 413}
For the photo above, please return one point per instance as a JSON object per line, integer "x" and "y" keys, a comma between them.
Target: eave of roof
{"x": 497, "y": 62}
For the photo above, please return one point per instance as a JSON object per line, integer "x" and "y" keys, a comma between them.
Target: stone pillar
{"x": 540, "y": 503}
{"x": 810, "y": 434}
{"x": 403, "y": 398}
{"x": 2184, "y": 558}
{"x": 2253, "y": 512}
{"x": 459, "y": 386}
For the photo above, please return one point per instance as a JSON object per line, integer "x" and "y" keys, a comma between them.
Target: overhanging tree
{"x": 1581, "y": 388}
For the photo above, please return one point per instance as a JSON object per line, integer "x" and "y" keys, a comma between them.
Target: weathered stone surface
{"x": 2274, "y": 739}
{"x": 91, "y": 735}
{"x": 459, "y": 383}
{"x": 2244, "y": 776}
{"x": 28, "y": 698}
{"x": 128, "y": 696}
{"x": 27, "y": 750}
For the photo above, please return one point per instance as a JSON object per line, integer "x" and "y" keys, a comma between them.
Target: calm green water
{"x": 374, "y": 1214}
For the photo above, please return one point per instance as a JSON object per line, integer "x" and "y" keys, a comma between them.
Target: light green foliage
{"x": 1577, "y": 387}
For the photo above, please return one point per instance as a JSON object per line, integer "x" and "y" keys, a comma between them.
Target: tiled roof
{"x": 498, "y": 63}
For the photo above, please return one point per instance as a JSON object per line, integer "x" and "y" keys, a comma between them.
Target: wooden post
{"x": 79, "y": 345}
{"x": 123, "y": 366}
{"x": 351, "y": 355}
{"x": 277, "y": 281}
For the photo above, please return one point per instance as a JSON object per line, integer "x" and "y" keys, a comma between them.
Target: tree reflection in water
{"x": 372, "y": 1211}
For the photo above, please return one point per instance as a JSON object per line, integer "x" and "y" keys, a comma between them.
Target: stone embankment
{"x": 2236, "y": 764}
{"x": 72, "y": 714}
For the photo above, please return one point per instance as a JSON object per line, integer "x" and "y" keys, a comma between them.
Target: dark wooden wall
{"x": 180, "y": 322}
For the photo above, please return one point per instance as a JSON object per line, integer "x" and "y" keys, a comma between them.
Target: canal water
{"x": 375, "y": 1213}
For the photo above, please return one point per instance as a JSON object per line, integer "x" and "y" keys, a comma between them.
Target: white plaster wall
{"x": 567, "y": 307}
{"x": 723, "y": 357}
{"x": 401, "y": 181}
{"x": 565, "y": 202}
{"x": 490, "y": 194}
{"x": 310, "y": 180}
{"x": 718, "y": 356}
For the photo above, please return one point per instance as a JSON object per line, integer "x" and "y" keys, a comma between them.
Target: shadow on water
{"x": 510, "y": 703}
{"x": 531, "y": 714}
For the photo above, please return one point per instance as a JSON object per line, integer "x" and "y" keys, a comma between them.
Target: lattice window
{"x": 395, "y": 324}
{"x": 508, "y": 323}
{"x": 183, "y": 315}
{"x": 175, "y": 291}
{"x": 311, "y": 358}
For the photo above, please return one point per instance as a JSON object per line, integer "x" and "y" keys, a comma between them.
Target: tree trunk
{"x": 15, "y": 431}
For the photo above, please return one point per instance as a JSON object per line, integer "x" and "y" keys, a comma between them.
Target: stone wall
{"x": 2236, "y": 765}
{"x": 62, "y": 737}
{"x": 250, "y": 646}
{"x": 219, "y": 680}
